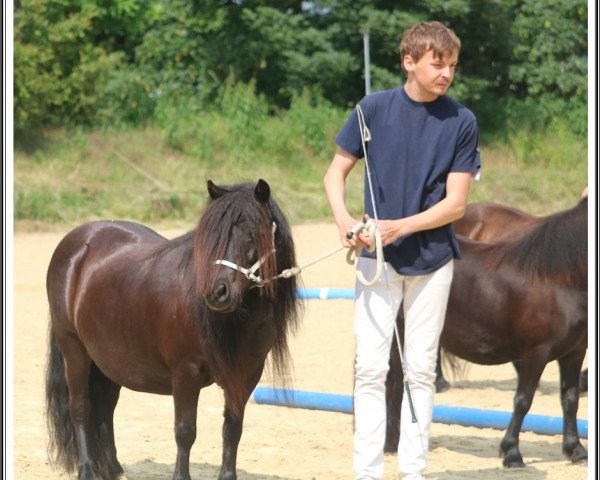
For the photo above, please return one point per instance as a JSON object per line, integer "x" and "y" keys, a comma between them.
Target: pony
{"x": 520, "y": 299}
{"x": 129, "y": 308}
{"x": 488, "y": 222}
{"x": 484, "y": 222}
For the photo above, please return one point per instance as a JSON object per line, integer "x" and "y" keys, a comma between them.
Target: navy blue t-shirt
{"x": 412, "y": 149}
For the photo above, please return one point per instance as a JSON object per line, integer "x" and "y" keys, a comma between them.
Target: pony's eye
{"x": 250, "y": 247}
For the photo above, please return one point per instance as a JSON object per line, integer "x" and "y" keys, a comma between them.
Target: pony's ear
{"x": 214, "y": 190}
{"x": 262, "y": 191}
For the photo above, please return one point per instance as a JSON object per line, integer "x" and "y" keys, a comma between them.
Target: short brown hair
{"x": 422, "y": 37}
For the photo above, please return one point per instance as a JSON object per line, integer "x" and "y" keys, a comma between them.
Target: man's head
{"x": 421, "y": 38}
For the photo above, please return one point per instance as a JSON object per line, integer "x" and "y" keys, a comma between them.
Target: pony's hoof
{"x": 579, "y": 456}
{"x": 512, "y": 460}
{"x": 227, "y": 476}
{"x": 513, "y": 463}
{"x": 441, "y": 386}
{"x": 118, "y": 472}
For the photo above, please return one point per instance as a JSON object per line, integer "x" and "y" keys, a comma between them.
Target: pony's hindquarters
{"x": 94, "y": 437}
{"x": 80, "y": 400}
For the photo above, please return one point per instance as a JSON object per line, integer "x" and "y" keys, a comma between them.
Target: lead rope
{"x": 250, "y": 273}
{"x": 365, "y": 136}
{"x": 372, "y": 231}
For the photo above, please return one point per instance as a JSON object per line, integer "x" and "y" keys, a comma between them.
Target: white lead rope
{"x": 370, "y": 227}
{"x": 365, "y": 136}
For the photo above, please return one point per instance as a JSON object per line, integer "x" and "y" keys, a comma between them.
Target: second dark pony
{"x": 521, "y": 299}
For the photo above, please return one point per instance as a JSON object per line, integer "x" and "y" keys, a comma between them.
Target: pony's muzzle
{"x": 220, "y": 299}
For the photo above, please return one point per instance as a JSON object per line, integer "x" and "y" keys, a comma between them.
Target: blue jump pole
{"x": 325, "y": 293}
{"x": 466, "y": 416}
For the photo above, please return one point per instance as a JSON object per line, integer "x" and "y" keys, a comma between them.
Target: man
{"x": 420, "y": 160}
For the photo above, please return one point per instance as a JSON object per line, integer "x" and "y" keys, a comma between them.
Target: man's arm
{"x": 335, "y": 189}
{"x": 451, "y": 208}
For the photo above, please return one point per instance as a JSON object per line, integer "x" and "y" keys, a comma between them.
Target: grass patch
{"x": 157, "y": 175}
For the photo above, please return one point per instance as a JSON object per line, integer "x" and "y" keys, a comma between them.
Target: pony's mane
{"x": 278, "y": 298}
{"x": 555, "y": 249}
{"x": 183, "y": 241}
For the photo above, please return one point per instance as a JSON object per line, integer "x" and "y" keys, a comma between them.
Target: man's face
{"x": 432, "y": 75}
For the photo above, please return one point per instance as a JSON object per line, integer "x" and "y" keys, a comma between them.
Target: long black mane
{"x": 555, "y": 249}
{"x": 278, "y": 300}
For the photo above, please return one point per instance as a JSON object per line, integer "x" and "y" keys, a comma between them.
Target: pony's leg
{"x": 394, "y": 390}
{"x": 570, "y": 368}
{"x": 185, "y": 395}
{"x": 583, "y": 381}
{"x": 232, "y": 428}
{"x": 441, "y": 384}
{"x": 232, "y": 433}
{"x": 104, "y": 395}
{"x": 530, "y": 372}
{"x": 517, "y": 366}
{"x": 77, "y": 373}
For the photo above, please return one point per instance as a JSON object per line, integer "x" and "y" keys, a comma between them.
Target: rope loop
{"x": 375, "y": 245}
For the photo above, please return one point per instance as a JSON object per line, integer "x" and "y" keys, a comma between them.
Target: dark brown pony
{"x": 519, "y": 299}
{"x": 491, "y": 222}
{"x": 131, "y": 308}
{"x": 484, "y": 222}
{"x": 488, "y": 222}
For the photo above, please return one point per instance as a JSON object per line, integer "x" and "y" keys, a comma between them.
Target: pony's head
{"x": 242, "y": 226}
{"x": 241, "y": 242}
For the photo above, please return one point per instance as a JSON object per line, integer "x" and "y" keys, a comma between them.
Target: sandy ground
{"x": 278, "y": 443}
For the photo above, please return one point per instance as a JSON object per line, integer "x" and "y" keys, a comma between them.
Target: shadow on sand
{"x": 150, "y": 470}
{"x": 534, "y": 452}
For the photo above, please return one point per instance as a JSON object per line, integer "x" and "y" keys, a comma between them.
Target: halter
{"x": 369, "y": 226}
{"x": 250, "y": 273}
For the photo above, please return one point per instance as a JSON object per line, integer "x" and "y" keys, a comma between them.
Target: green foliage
{"x": 65, "y": 55}
{"x": 126, "y": 99}
{"x": 550, "y": 57}
{"x": 313, "y": 121}
{"x": 42, "y": 204}
{"x": 114, "y": 63}
{"x": 550, "y": 139}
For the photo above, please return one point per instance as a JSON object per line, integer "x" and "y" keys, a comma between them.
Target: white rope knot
{"x": 289, "y": 272}
{"x": 375, "y": 245}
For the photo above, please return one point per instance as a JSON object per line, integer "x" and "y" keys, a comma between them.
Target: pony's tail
{"x": 62, "y": 447}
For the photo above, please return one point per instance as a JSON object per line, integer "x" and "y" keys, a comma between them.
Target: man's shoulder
{"x": 462, "y": 111}
{"x": 381, "y": 96}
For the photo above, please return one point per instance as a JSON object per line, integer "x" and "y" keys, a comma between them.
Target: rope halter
{"x": 250, "y": 273}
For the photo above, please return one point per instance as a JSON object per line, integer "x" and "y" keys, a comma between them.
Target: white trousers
{"x": 425, "y": 299}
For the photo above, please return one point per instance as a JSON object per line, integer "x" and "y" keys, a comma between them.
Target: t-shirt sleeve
{"x": 466, "y": 157}
{"x": 349, "y": 136}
